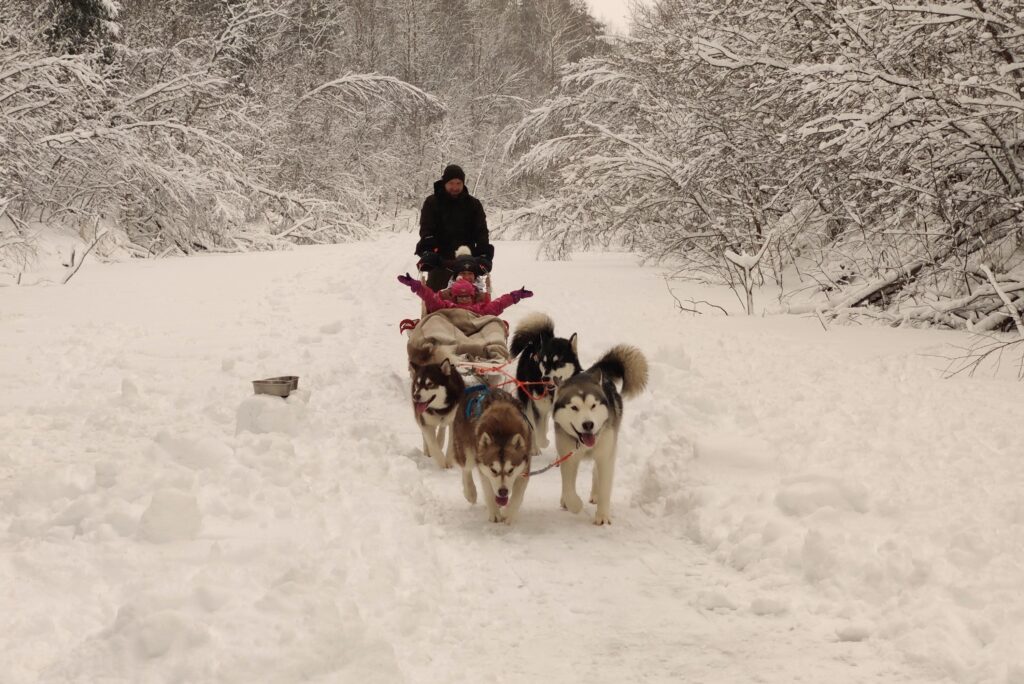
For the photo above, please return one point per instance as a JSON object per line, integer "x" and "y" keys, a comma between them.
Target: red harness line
{"x": 513, "y": 380}
{"x": 553, "y": 464}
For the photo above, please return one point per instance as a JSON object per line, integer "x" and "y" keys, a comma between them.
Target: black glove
{"x": 426, "y": 244}
{"x": 521, "y": 293}
{"x": 485, "y": 264}
{"x": 429, "y": 261}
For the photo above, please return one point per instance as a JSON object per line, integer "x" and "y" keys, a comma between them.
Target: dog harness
{"x": 475, "y": 403}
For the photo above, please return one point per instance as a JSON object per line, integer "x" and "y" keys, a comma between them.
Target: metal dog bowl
{"x": 280, "y": 386}
{"x": 293, "y": 380}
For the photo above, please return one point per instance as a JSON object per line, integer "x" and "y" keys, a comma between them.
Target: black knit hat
{"x": 466, "y": 262}
{"x": 452, "y": 171}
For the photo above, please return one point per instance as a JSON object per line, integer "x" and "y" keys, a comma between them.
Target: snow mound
{"x": 332, "y": 328}
{"x": 172, "y": 515}
{"x": 767, "y": 606}
{"x": 734, "y": 451}
{"x": 854, "y": 631}
{"x": 193, "y": 452}
{"x": 804, "y": 495}
{"x": 262, "y": 413}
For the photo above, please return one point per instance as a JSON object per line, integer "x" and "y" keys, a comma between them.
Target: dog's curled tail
{"x": 628, "y": 364}
{"x": 530, "y": 329}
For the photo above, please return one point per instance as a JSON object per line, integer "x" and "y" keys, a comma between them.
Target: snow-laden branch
{"x": 80, "y": 135}
{"x": 964, "y": 11}
{"x": 183, "y": 84}
{"x": 70, "y": 63}
{"x": 1010, "y": 306}
{"x": 749, "y": 262}
{"x": 373, "y": 88}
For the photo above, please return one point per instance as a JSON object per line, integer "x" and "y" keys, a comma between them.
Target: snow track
{"x": 771, "y": 509}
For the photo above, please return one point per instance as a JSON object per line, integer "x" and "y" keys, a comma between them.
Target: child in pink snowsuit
{"x": 463, "y": 297}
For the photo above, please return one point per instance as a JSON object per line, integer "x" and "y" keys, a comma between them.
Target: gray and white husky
{"x": 587, "y": 414}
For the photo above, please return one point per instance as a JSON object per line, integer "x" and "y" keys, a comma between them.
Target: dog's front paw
{"x": 496, "y": 518}
{"x": 572, "y": 503}
{"x": 602, "y": 519}
{"x": 469, "y": 491}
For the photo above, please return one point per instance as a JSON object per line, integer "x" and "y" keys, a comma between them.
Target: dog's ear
{"x": 446, "y": 367}
{"x": 485, "y": 441}
{"x": 598, "y": 376}
{"x": 517, "y": 442}
{"x": 572, "y": 343}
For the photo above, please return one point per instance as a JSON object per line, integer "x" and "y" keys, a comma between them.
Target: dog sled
{"x": 474, "y": 342}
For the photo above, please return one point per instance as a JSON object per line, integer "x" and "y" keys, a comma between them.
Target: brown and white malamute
{"x": 493, "y": 438}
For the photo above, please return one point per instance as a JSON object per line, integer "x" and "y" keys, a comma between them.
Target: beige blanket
{"x": 451, "y": 333}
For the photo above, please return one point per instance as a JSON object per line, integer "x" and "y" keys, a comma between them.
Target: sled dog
{"x": 493, "y": 437}
{"x": 436, "y": 391}
{"x": 587, "y": 416}
{"x": 545, "y": 362}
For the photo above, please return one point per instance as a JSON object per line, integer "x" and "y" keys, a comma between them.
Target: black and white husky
{"x": 588, "y": 413}
{"x": 436, "y": 391}
{"x": 545, "y": 362}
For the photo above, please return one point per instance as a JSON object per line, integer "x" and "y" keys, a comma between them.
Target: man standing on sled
{"x": 451, "y": 217}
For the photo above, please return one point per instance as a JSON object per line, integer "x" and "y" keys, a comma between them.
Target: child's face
{"x": 464, "y": 299}
{"x": 467, "y": 275}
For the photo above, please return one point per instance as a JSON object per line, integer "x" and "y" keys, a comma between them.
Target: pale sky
{"x": 615, "y": 13}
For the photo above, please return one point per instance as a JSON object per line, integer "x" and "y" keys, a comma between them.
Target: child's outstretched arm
{"x": 422, "y": 291}
{"x": 496, "y": 306}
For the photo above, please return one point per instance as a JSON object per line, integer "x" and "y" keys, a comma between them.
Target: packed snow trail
{"x": 158, "y": 523}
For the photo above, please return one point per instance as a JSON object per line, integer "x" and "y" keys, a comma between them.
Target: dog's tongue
{"x": 501, "y": 500}
{"x": 421, "y": 406}
{"x": 588, "y": 439}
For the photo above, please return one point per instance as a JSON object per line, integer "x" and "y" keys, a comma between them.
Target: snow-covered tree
{"x": 880, "y": 141}
{"x": 76, "y": 26}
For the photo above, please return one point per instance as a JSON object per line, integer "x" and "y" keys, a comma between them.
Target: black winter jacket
{"x": 446, "y": 223}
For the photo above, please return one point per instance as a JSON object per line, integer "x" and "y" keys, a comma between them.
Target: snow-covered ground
{"x": 791, "y": 504}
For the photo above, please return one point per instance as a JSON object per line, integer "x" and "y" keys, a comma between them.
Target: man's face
{"x": 454, "y": 187}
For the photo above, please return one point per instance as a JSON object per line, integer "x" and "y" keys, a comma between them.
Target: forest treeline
{"x": 185, "y": 123}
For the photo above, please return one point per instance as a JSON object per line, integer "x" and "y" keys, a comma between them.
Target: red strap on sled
{"x": 407, "y": 324}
